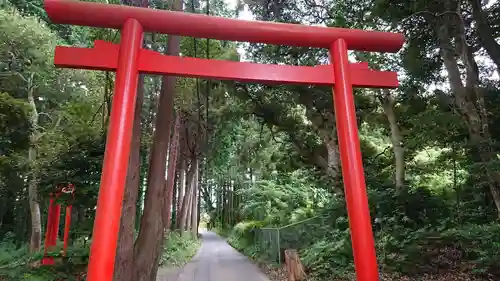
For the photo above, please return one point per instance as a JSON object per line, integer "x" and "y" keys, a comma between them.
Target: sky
{"x": 244, "y": 15}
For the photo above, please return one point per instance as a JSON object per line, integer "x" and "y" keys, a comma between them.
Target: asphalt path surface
{"x": 215, "y": 261}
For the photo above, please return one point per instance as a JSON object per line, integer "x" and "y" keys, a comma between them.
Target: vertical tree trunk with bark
{"x": 182, "y": 183}
{"x": 294, "y": 267}
{"x": 172, "y": 162}
{"x": 125, "y": 249}
{"x": 189, "y": 214}
{"x": 148, "y": 247}
{"x": 324, "y": 124}
{"x": 388, "y": 102}
{"x": 218, "y": 196}
{"x": 468, "y": 98}
{"x": 231, "y": 209}
{"x": 189, "y": 210}
{"x": 194, "y": 205}
{"x": 186, "y": 204}
{"x": 486, "y": 38}
{"x": 36, "y": 221}
{"x": 174, "y": 199}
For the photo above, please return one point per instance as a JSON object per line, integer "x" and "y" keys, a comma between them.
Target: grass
{"x": 179, "y": 249}
{"x": 16, "y": 263}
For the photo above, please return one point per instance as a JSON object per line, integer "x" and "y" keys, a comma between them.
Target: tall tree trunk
{"x": 174, "y": 199}
{"x": 182, "y": 181}
{"x": 194, "y": 209}
{"x": 189, "y": 215}
{"x": 235, "y": 202}
{"x": 36, "y": 222}
{"x": 387, "y": 101}
{"x": 142, "y": 189}
{"x": 186, "y": 203}
{"x": 488, "y": 41}
{"x": 189, "y": 209}
{"x": 231, "y": 207}
{"x": 469, "y": 98}
{"x": 148, "y": 247}
{"x": 172, "y": 162}
{"x": 218, "y": 193}
{"x": 182, "y": 187}
{"x": 224, "y": 209}
{"x": 324, "y": 124}
{"x": 125, "y": 249}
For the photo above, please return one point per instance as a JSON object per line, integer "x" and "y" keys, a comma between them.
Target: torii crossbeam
{"x": 128, "y": 59}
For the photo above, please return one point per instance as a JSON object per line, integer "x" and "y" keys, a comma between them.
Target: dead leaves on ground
{"x": 280, "y": 274}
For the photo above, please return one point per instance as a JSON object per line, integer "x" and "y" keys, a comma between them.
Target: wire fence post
{"x": 279, "y": 246}
{"x": 271, "y": 240}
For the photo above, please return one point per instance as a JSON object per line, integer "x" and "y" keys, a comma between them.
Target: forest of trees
{"x": 253, "y": 157}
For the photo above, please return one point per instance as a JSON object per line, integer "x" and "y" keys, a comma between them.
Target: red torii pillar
{"x": 128, "y": 59}
{"x": 53, "y": 217}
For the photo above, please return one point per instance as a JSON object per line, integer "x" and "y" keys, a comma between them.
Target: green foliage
{"x": 14, "y": 123}
{"x": 268, "y": 168}
{"x": 179, "y": 249}
{"x": 67, "y": 106}
{"x": 408, "y": 241}
{"x": 285, "y": 198}
{"x": 331, "y": 255}
{"x": 11, "y": 253}
{"x": 16, "y": 263}
{"x": 243, "y": 237}
{"x": 244, "y": 233}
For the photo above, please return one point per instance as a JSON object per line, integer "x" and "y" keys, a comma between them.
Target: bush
{"x": 329, "y": 256}
{"x": 479, "y": 244}
{"x": 469, "y": 248}
{"x": 179, "y": 249}
{"x": 16, "y": 263}
{"x": 242, "y": 238}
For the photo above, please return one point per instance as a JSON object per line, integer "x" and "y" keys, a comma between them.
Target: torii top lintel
{"x": 202, "y": 26}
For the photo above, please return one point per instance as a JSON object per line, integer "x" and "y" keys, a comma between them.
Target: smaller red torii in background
{"x": 53, "y": 216}
{"x": 128, "y": 59}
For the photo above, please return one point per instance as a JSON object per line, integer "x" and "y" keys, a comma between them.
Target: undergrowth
{"x": 16, "y": 263}
{"x": 179, "y": 249}
{"x": 471, "y": 249}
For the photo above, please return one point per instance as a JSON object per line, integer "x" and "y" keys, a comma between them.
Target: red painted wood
{"x": 116, "y": 156}
{"x": 67, "y": 225}
{"x": 202, "y": 26}
{"x": 363, "y": 245}
{"x": 48, "y": 234}
{"x": 104, "y": 56}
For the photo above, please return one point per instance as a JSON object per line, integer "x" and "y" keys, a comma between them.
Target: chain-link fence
{"x": 273, "y": 241}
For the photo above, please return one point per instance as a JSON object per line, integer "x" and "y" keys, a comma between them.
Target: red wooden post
{"x": 67, "y": 224}
{"x": 365, "y": 260}
{"x": 52, "y": 229}
{"x": 48, "y": 233}
{"x": 55, "y": 225}
{"x": 114, "y": 173}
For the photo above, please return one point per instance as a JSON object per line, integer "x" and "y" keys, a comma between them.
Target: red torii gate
{"x": 128, "y": 59}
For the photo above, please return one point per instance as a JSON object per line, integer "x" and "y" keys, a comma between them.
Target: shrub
{"x": 179, "y": 249}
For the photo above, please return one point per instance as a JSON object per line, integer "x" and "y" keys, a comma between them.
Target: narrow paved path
{"x": 215, "y": 261}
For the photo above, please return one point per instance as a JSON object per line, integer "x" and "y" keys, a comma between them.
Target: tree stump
{"x": 294, "y": 267}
